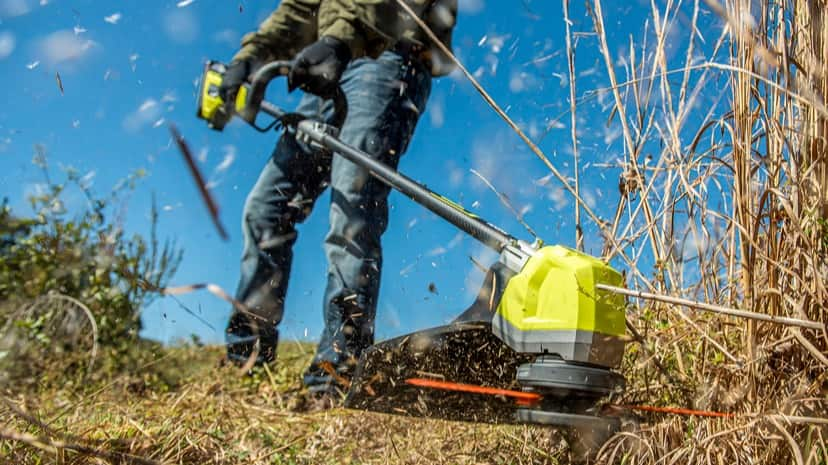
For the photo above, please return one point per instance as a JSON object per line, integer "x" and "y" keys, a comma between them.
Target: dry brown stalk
{"x": 532, "y": 146}
{"x": 780, "y": 320}
{"x": 570, "y": 60}
{"x": 737, "y": 224}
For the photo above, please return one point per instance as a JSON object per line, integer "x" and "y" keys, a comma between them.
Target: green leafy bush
{"x": 59, "y": 268}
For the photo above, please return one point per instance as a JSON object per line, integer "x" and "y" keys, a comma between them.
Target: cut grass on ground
{"x": 186, "y": 407}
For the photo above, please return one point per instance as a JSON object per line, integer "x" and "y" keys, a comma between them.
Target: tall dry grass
{"x": 732, "y": 211}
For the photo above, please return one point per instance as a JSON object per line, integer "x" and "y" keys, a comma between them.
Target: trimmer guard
{"x": 467, "y": 353}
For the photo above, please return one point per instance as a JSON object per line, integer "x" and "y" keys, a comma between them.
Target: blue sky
{"x": 129, "y": 68}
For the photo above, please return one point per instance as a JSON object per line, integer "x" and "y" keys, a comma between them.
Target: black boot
{"x": 246, "y": 336}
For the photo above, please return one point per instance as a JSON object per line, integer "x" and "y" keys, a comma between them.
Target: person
{"x": 384, "y": 63}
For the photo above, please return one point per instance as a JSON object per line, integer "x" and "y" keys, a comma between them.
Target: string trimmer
{"x": 538, "y": 345}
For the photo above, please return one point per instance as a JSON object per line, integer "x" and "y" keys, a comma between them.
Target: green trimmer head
{"x": 511, "y": 339}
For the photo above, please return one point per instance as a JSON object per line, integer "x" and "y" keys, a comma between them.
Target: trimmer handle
{"x": 258, "y": 86}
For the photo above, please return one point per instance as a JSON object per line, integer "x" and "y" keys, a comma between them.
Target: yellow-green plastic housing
{"x": 553, "y": 306}
{"x": 210, "y": 105}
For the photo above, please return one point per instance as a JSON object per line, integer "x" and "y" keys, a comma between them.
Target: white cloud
{"x": 558, "y": 197}
{"x": 63, "y": 46}
{"x": 227, "y": 36}
{"x": 12, "y": 8}
{"x": 470, "y": 7}
{"x": 437, "y": 112}
{"x": 391, "y": 316}
{"x": 522, "y": 82}
{"x": 456, "y": 176}
{"x": 147, "y": 113}
{"x": 113, "y": 18}
{"x": 169, "y": 97}
{"x": 589, "y": 197}
{"x": 34, "y": 189}
{"x": 184, "y": 3}
{"x": 181, "y": 26}
{"x": 474, "y": 277}
{"x": 7, "y": 43}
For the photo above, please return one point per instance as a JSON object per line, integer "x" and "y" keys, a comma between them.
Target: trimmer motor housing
{"x": 552, "y": 306}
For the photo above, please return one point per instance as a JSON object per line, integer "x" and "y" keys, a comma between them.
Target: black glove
{"x": 318, "y": 67}
{"x": 233, "y": 78}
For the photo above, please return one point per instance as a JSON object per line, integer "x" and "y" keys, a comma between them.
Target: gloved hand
{"x": 234, "y": 77}
{"x": 318, "y": 67}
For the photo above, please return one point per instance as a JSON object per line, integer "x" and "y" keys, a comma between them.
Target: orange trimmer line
{"x": 528, "y": 398}
{"x": 448, "y": 386}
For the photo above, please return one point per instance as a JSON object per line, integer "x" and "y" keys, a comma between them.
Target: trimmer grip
{"x": 250, "y": 97}
{"x": 272, "y": 70}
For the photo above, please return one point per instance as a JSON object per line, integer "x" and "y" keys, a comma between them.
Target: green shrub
{"x": 54, "y": 261}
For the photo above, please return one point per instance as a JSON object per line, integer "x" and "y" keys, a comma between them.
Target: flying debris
{"x": 33, "y": 65}
{"x": 113, "y": 18}
{"x": 59, "y": 82}
{"x": 212, "y": 206}
{"x": 227, "y": 161}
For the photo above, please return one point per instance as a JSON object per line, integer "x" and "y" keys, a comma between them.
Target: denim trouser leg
{"x": 385, "y": 100}
{"x": 288, "y": 185}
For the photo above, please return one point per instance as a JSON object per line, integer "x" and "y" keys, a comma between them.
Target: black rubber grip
{"x": 258, "y": 86}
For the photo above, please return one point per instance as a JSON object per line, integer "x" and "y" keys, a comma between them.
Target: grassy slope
{"x": 183, "y": 407}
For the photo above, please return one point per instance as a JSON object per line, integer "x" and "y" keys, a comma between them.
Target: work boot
{"x": 248, "y": 339}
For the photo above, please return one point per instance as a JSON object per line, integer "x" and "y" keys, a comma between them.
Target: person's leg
{"x": 385, "y": 98}
{"x": 284, "y": 194}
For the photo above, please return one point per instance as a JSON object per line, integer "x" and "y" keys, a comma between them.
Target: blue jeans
{"x": 385, "y": 96}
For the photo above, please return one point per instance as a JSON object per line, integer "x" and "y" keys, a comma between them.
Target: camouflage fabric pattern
{"x": 369, "y": 27}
